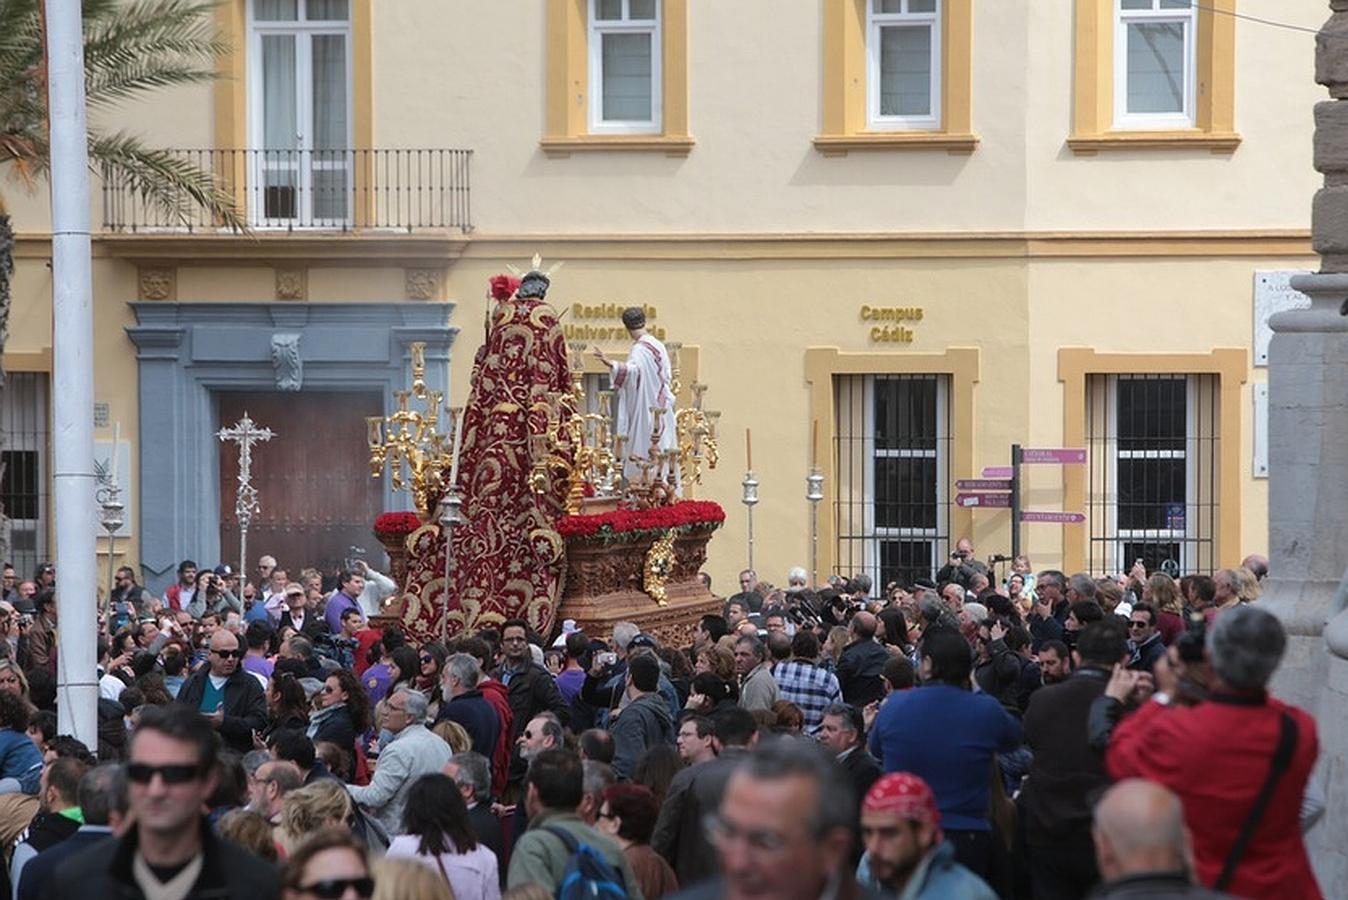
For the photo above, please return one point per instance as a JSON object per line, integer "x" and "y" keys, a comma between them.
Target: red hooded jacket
{"x": 1216, "y": 756}
{"x": 494, "y": 692}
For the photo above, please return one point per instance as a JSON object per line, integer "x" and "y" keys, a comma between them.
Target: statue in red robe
{"x": 508, "y": 557}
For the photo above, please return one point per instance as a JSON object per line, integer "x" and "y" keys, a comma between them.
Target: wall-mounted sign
{"x": 608, "y": 322}
{"x": 888, "y": 323}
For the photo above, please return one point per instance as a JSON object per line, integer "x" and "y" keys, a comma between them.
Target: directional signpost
{"x": 999, "y": 488}
{"x": 969, "y": 501}
{"x": 1062, "y": 518}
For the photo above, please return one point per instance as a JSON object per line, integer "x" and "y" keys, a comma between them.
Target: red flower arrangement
{"x": 503, "y": 287}
{"x": 633, "y": 524}
{"x": 396, "y": 524}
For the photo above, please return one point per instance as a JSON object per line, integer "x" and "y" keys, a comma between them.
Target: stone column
{"x": 1308, "y": 466}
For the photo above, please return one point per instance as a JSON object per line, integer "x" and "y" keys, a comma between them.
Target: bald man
{"x": 862, "y": 662}
{"x": 1142, "y": 844}
{"x": 228, "y": 696}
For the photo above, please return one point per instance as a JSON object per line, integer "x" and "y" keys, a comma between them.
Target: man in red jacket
{"x": 1216, "y": 755}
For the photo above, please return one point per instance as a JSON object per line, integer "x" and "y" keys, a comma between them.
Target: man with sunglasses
{"x": 231, "y": 699}
{"x": 9, "y": 583}
{"x": 1144, "y": 639}
{"x": 170, "y": 850}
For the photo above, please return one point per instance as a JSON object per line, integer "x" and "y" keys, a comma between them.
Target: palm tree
{"x": 130, "y": 47}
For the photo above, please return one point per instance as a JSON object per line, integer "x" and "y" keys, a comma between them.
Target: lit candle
{"x": 748, "y": 450}
{"x": 116, "y": 442}
{"x": 458, "y": 437}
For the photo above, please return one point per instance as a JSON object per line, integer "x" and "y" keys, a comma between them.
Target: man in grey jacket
{"x": 645, "y": 721}
{"x": 758, "y": 689}
{"x": 413, "y": 752}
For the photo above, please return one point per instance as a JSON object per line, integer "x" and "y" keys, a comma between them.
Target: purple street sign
{"x": 1059, "y": 455}
{"x": 997, "y": 472}
{"x": 991, "y": 500}
{"x": 1061, "y": 518}
{"x": 983, "y": 484}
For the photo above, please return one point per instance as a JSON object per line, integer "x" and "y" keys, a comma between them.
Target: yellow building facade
{"x": 937, "y": 228}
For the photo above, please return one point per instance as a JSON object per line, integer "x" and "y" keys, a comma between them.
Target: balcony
{"x": 313, "y": 191}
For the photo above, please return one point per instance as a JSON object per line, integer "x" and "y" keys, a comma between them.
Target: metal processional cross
{"x": 245, "y": 433}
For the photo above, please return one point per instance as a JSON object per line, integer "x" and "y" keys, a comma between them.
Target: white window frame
{"x": 875, "y": 22}
{"x": 1186, "y": 536}
{"x": 1156, "y": 15}
{"x": 873, "y": 535}
{"x": 304, "y": 31}
{"x": 626, "y": 25}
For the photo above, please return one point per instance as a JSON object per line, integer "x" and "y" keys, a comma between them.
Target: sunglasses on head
{"x": 141, "y": 773}
{"x": 334, "y": 888}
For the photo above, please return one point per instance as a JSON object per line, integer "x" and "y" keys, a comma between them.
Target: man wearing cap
{"x": 906, "y": 853}
{"x": 297, "y": 615}
{"x": 643, "y": 383}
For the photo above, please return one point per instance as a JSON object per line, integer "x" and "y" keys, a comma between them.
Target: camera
{"x": 607, "y": 659}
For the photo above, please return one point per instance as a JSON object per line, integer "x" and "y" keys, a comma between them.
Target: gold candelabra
{"x": 409, "y": 441}
{"x": 597, "y": 455}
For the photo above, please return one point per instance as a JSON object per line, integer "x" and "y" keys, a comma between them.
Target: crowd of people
{"x": 969, "y": 735}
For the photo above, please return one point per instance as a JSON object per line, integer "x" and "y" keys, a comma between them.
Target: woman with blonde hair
{"x": 833, "y": 647}
{"x": 13, "y": 680}
{"x": 453, "y": 733}
{"x": 1247, "y": 586}
{"x": 323, "y": 804}
{"x": 403, "y": 879}
{"x": 1162, "y": 592}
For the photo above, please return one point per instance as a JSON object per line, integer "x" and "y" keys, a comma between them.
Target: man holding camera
{"x": 962, "y": 566}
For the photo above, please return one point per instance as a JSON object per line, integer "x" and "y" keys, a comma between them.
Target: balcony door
{"x": 299, "y": 96}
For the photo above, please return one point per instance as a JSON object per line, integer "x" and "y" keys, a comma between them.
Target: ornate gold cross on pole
{"x": 245, "y": 433}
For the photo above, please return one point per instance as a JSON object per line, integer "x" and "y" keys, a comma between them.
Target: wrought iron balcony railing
{"x": 314, "y": 190}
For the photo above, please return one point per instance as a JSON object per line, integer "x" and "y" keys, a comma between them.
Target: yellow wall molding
{"x": 34, "y": 361}
{"x": 1292, "y": 243}
{"x": 844, "y": 119}
{"x": 823, "y": 363}
{"x": 1229, "y": 365}
{"x": 1214, "y": 98}
{"x": 426, "y": 250}
{"x": 567, "y": 104}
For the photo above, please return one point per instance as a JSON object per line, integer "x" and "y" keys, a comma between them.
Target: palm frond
{"x": 164, "y": 179}
{"x": 148, "y": 25}
{"x": 110, "y": 87}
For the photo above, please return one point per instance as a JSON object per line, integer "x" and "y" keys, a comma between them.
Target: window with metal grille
{"x": 1153, "y": 479}
{"x": 892, "y": 458}
{"x": 23, "y": 485}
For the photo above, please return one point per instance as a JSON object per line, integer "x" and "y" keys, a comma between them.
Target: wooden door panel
{"x": 313, "y": 478}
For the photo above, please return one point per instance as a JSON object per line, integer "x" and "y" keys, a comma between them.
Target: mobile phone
{"x": 608, "y": 659}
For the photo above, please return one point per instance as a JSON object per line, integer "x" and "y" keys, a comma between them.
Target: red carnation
{"x": 503, "y": 287}
{"x": 396, "y": 524}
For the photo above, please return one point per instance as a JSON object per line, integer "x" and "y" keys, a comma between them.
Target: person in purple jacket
{"x": 351, "y": 584}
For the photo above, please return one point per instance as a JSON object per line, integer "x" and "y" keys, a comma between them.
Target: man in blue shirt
{"x": 352, "y": 583}
{"x": 949, "y": 737}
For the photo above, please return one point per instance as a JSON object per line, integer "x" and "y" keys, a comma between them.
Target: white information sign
{"x": 1273, "y": 293}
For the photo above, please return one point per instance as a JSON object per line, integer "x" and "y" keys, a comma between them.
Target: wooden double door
{"x": 313, "y": 479}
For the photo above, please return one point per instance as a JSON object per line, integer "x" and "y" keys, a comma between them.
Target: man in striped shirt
{"x": 802, "y": 681}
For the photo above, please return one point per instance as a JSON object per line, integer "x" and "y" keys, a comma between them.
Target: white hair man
{"x": 414, "y": 751}
{"x": 465, "y": 704}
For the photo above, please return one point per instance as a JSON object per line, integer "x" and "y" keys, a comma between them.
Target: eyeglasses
{"x": 228, "y": 654}
{"x": 334, "y": 888}
{"x": 607, "y": 814}
{"x": 426, "y": 659}
{"x": 329, "y": 689}
{"x": 1136, "y": 624}
{"x": 141, "y": 773}
{"x": 722, "y": 831}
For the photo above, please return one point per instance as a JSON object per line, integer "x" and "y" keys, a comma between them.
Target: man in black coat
{"x": 530, "y": 688}
{"x": 465, "y": 704}
{"x": 102, "y": 796}
{"x": 231, "y": 699}
{"x": 680, "y": 834}
{"x": 170, "y": 849}
{"x": 861, "y": 663}
{"x": 1066, "y": 772}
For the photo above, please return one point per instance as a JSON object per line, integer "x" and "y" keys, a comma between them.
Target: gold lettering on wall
{"x": 892, "y": 332}
{"x": 610, "y": 315}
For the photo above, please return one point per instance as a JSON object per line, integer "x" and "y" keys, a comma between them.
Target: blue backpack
{"x": 588, "y": 875}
